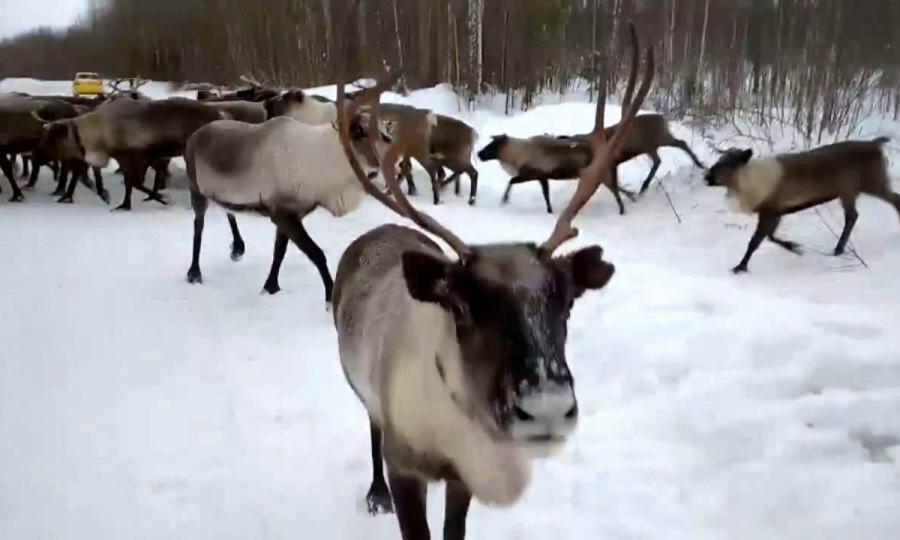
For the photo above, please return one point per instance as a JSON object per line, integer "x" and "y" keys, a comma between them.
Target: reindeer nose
{"x": 546, "y": 413}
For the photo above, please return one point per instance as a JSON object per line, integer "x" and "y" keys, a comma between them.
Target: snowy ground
{"x": 133, "y": 405}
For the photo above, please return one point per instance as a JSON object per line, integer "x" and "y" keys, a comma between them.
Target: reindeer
{"x": 543, "y": 158}
{"x": 21, "y": 131}
{"x": 452, "y": 146}
{"x": 299, "y": 105}
{"x": 787, "y": 183}
{"x": 136, "y": 133}
{"x": 283, "y": 169}
{"x": 461, "y": 363}
{"x": 250, "y": 112}
{"x": 255, "y": 92}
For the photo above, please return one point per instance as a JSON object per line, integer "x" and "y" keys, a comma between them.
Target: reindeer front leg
{"x": 409, "y": 502}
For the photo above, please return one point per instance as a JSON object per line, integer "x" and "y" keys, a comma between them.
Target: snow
{"x": 764, "y": 406}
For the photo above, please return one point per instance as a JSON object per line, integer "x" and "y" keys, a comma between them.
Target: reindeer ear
{"x": 427, "y": 276}
{"x": 428, "y": 280}
{"x": 588, "y": 269}
{"x": 746, "y": 155}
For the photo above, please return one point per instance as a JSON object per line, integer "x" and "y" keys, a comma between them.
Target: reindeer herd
{"x": 459, "y": 360}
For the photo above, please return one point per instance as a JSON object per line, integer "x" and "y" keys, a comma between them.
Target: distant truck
{"x": 87, "y": 84}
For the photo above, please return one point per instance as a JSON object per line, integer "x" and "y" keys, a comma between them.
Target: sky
{"x": 22, "y": 15}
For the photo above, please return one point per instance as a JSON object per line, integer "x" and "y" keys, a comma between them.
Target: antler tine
{"x": 251, "y": 81}
{"x": 399, "y": 203}
{"x": 423, "y": 220}
{"x": 344, "y": 133}
{"x": 600, "y": 167}
{"x": 635, "y": 61}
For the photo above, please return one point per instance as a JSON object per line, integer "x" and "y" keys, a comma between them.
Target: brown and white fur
{"x": 787, "y": 183}
{"x": 283, "y": 169}
{"x": 136, "y": 133}
{"x": 301, "y": 106}
{"x": 650, "y": 133}
{"x": 461, "y": 367}
{"x": 452, "y": 145}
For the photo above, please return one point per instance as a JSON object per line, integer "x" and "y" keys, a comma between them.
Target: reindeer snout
{"x": 547, "y": 414}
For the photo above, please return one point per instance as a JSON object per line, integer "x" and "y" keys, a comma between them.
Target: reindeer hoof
{"x": 471, "y": 201}
{"x": 237, "y": 252}
{"x": 57, "y": 193}
{"x": 122, "y": 208}
{"x": 271, "y": 288}
{"x": 104, "y": 196}
{"x": 839, "y": 251}
{"x": 194, "y": 276}
{"x": 379, "y": 501}
{"x": 64, "y": 200}
{"x": 18, "y": 197}
{"x": 740, "y": 269}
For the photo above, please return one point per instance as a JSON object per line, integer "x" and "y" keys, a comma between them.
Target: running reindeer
{"x": 787, "y": 183}
{"x": 461, "y": 363}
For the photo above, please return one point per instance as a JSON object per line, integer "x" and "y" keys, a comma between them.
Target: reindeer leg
{"x": 456, "y": 509}
{"x": 765, "y": 227}
{"x": 35, "y": 172}
{"x": 25, "y": 161}
{"x": 656, "y": 163}
{"x": 545, "y": 188}
{"x": 406, "y": 172}
{"x": 200, "y": 203}
{"x": 379, "y": 497}
{"x": 513, "y": 181}
{"x": 6, "y": 166}
{"x": 678, "y": 143}
{"x": 291, "y": 225}
{"x": 61, "y": 180}
{"x": 850, "y": 217}
{"x": 160, "y": 179}
{"x": 409, "y": 502}
{"x": 98, "y": 182}
{"x": 473, "y": 178}
{"x": 134, "y": 171}
{"x": 281, "y": 243}
{"x": 613, "y": 186}
{"x": 237, "y": 243}
{"x": 77, "y": 173}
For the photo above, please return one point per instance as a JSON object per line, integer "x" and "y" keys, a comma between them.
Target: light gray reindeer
{"x": 283, "y": 169}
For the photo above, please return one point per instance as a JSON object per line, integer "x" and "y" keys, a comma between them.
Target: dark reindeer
{"x": 787, "y": 183}
{"x": 461, "y": 363}
{"x": 136, "y": 133}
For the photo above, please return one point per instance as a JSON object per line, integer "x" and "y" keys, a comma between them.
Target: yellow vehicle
{"x": 87, "y": 84}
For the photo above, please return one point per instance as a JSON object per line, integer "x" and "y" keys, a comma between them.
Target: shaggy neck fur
{"x": 91, "y": 133}
{"x": 314, "y": 112}
{"x": 422, "y": 412}
{"x": 754, "y": 183}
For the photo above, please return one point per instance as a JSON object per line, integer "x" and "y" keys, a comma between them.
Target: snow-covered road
{"x": 713, "y": 406}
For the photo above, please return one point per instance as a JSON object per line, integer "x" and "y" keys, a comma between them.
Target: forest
{"x": 816, "y": 65}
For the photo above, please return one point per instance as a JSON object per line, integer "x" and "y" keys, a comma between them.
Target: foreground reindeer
{"x": 461, "y": 363}
{"x": 788, "y": 183}
{"x": 283, "y": 169}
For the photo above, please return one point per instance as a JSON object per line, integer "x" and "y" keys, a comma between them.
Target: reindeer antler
{"x": 402, "y": 139}
{"x": 251, "y": 81}
{"x": 605, "y": 151}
